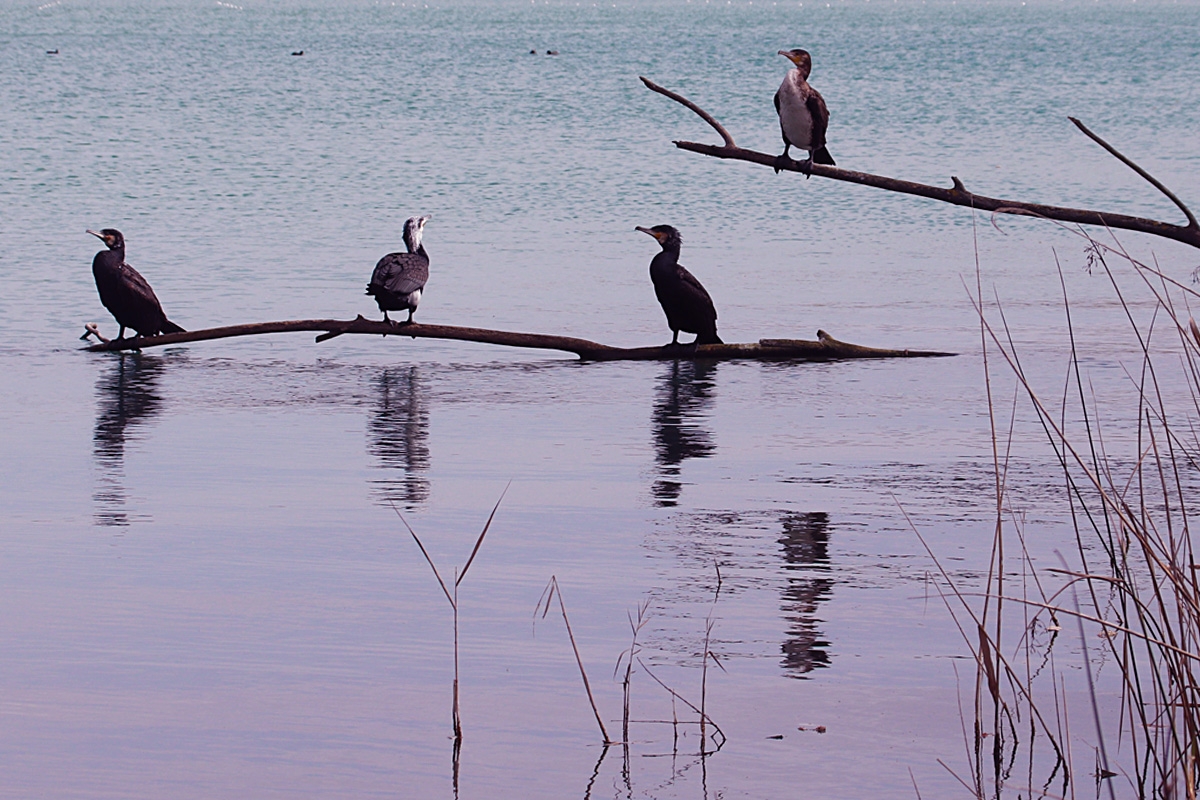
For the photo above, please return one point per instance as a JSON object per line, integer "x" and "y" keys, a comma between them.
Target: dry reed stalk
{"x": 703, "y": 718}
{"x": 1132, "y": 529}
{"x": 551, "y": 591}
{"x": 707, "y": 654}
{"x": 627, "y": 658}
{"x": 452, "y": 598}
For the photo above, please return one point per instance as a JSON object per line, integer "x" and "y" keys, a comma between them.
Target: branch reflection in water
{"x": 685, "y": 395}
{"x": 805, "y": 543}
{"x": 126, "y": 397}
{"x": 398, "y": 432}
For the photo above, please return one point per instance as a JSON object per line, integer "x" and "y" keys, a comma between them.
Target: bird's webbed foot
{"x": 781, "y": 162}
{"x": 806, "y": 167}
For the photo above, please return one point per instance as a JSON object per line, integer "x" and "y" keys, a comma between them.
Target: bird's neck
{"x": 667, "y": 259}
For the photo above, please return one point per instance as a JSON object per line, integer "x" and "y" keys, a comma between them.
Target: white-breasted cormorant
{"x": 399, "y": 278}
{"x": 124, "y": 292}
{"x": 687, "y": 306}
{"x": 803, "y": 117}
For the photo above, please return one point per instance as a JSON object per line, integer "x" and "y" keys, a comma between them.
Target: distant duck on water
{"x": 124, "y": 292}
{"x": 683, "y": 299}
{"x": 803, "y": 117}
{"x": 399, "y": 278}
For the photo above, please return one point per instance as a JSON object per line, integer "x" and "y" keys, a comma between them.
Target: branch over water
{"x": 824, "y": 348}
{"x": 957, "y": 194}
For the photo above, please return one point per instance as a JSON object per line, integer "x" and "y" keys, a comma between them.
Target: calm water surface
{"x": 206, "y": 588}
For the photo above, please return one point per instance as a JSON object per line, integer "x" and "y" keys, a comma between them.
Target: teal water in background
{"x": 206, "y": 590}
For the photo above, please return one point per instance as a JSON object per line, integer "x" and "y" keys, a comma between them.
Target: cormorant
{"x": 297, "y": 52}
{"x": 803, "y": 117}
{"x": 124, "y": 292}
{"x": 687, "y": 306}
{"x": 399, "y": 278}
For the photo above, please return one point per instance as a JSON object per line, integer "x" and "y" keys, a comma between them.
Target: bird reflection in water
{"x": 127, "y": 395}
{"x": 399, "y": 436}
{"x": 805, "y": 543}
{"x": 685, "y": 395}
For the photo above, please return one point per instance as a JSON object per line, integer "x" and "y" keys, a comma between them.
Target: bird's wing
{"x": 695, "y": 289}
{"x": 776, "y": 101}
{"x": 401, "y": 273}
{"x": 820, "y": 117}
{"x": 136, "y": 284}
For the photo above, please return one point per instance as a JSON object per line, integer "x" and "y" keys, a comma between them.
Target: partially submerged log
{"x": 824, "y": 348}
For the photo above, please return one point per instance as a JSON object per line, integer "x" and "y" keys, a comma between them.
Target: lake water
{"x": 206, "y": 590}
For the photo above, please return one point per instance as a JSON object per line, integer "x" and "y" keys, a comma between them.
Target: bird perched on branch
{"x": 803, "y": 117}
{"x": 124, "y": 292}
{"x": 399, "y": 278}
{"x": 687, "y": 306}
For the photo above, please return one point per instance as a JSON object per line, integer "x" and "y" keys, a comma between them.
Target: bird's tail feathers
{"x": 171, "y": 327}
{"x": 821, "y": 156}
{"x": 709, "y": 338}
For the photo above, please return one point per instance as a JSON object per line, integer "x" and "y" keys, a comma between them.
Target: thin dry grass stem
{"x": 677, "y": 696}
{"x": 549, "y": 594}
{"x": 452, "y": 598}
{"x": 627, "y": 658}
{"x": 483, "y": 533}
{"x": 1103, "y": 773}
{"x": 913, "y": 778}
{"x": 707, "y": 654}
{"x": 980, "y": 633}
{"x": 1143, "y": 589}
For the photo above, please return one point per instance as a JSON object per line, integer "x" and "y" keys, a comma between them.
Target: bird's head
{"x": 414, "y": 227}
{"x": 111, "y": 237}
{"x": 800, "y": 58}
{"x": 663, "y": 234}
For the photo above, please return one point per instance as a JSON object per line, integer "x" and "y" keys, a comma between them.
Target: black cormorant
{"x": 399, "y": 278}
{"x": 687, "y": 306}
{"x": 124, "y": 292}
{"x": 803, "y": 117}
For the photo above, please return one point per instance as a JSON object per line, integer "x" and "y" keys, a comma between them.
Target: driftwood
{"x": 824, "y": 348}
{"x": 956, "y": 194}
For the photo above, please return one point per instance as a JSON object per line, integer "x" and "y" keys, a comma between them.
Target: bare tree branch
{"x": 825, "y": 348}
{"x": 957, "y": 194}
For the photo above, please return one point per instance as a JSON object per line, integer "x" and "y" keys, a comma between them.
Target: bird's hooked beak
{"x": 107, "y": 241}
{"x": 421, "y": 222}
{"x": 787, "y": 55}
{"x": 655, "y": 234}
